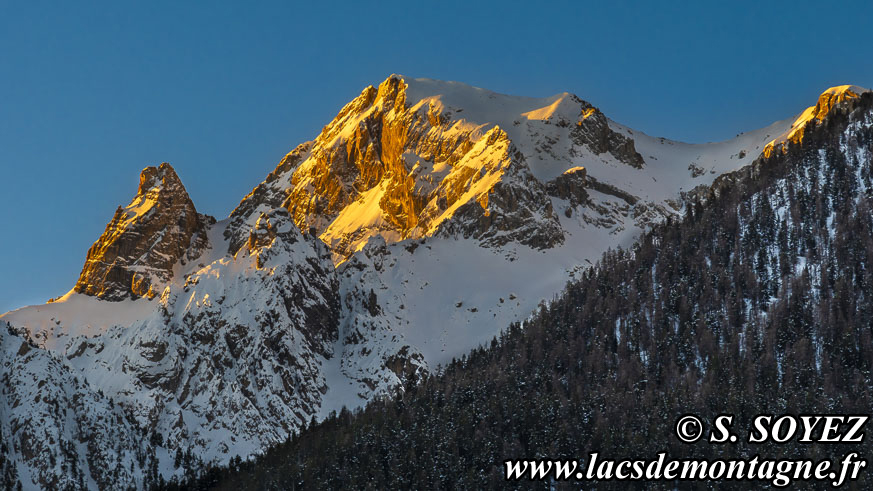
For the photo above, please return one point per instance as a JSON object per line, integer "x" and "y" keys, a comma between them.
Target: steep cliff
{"x": 145, "y": 240}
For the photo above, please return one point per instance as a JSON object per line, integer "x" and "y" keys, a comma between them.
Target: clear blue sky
{"x": 92, "y": 93}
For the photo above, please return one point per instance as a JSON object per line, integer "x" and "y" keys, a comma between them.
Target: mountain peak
{"x": 136, "y": 254}
{"x": 827, "y": 100}
{"x": 850, "y": 90}
{"x": 830, "y": 98}
{"x": 416, "y": 157}
{"x": 391, "y": 88}
{"x": 151, "y": 177}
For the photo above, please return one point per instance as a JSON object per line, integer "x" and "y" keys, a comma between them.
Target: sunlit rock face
{"x": 142, "y": 243}
{"x": 402, "y": 162}
{"x": 827, "y": 101}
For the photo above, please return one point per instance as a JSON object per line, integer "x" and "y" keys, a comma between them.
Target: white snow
{"x": 52, "y": 325}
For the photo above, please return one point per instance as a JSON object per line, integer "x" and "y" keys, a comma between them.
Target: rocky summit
{"x": 145, "y": 240}
{"x": 404, "y": 161}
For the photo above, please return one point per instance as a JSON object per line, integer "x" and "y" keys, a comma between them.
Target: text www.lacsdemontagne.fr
{"x": 779, "y": 473}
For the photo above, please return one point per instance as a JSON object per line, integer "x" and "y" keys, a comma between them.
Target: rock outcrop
{"x": 570, "y": 186}
{"x": 592, "y": 130}
{"x": 832, "y": 98}
{"x": 142, "y": 243}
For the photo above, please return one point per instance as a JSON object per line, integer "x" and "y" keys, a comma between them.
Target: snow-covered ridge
{"x": 414, "y": 158}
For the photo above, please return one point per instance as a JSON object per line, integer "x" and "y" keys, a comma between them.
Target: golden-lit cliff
{"x": 829, "y": 99}
{"x": 406, "y": 161}
{"x": 142, "y": 243}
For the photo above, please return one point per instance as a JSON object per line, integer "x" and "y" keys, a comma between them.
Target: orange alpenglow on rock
{"x": 142, "y": 243}
{"x": 829, "y": 99}
{"x": 407, "y": 161}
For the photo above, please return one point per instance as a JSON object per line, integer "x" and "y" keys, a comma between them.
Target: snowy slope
{"x": 59, "y": 431}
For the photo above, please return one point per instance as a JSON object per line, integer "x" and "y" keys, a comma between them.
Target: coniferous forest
{"x": 757, "y": 301}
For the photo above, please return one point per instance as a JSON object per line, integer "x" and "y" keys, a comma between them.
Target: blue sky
{"x": 91, "y": 93}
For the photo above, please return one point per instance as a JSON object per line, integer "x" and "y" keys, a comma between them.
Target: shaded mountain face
{"x": 145, "y": 240}
{"x": 228, "y": 358}
{"x": 57, "y": 432}
{"x": 424, "y": 218}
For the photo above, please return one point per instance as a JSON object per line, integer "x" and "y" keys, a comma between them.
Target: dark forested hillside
{"x": 758, "y": 301}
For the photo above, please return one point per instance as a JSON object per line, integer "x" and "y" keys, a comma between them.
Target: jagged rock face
{"x": 142, "y": 243}
{"x": 592, "y": 130}
{"x": 514, "y": 207}
{"x": 376, "y": 355}
{"x": 570, "y": 186}
{"x": 401, "y": 169}
{"x": 62, "y": 433}
{"x": 266, "y": 196}
{"x": 574, "y": 187}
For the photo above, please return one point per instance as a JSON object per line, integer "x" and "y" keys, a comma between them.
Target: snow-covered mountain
{"x": 421, "y": 221}
{"x": 59, "y": 432}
